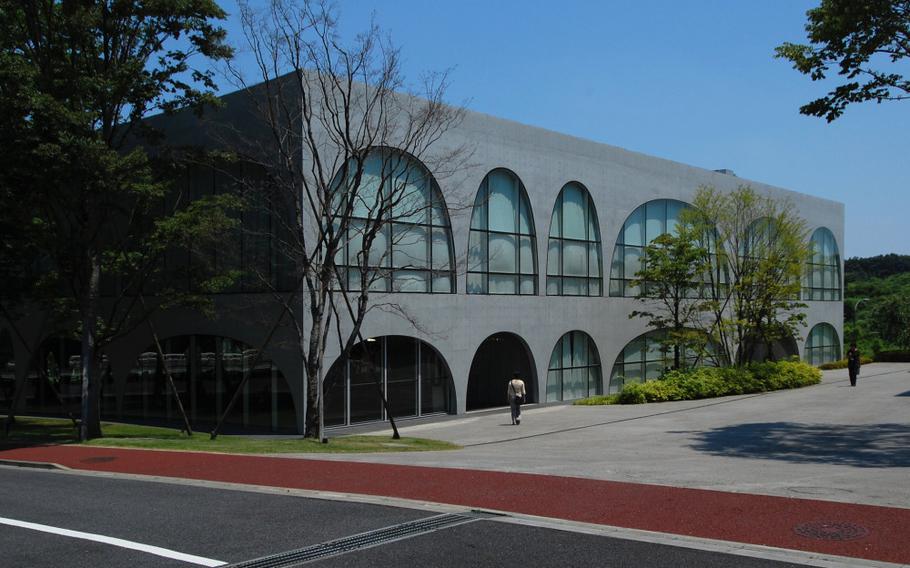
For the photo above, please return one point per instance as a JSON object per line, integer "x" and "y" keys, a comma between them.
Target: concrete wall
{"x": 618, "y": 180}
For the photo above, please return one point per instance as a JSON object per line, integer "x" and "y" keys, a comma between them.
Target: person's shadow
{"x": 865, "y": 445}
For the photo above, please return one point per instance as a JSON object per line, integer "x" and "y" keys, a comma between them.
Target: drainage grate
{"x": 828, "y": 530}
{"x": 355, "y": 542}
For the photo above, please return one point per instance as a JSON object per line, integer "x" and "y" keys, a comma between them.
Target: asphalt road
{"x": 234, "y": 526}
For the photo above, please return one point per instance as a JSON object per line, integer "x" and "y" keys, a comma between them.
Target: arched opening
{"x": 574, "y": 263}
{"x": 399, "y": 205}
{"x": 412, "y": 374}
{"x": 822, "y": 345}
{"x": 58, "y": 390}
{"x": 574, "y": 370}
{"x": 822, "y": 276}
{"x": 497, "y": 358}
{"x": 641, "y": 227}
{"x": 502, "y": 246}
{"x": 778, "y": 350}
{"x": 207, "y": 370}
{"x": 649, "y": 356}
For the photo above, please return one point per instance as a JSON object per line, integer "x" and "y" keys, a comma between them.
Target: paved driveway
{"x": 828, "y": 441}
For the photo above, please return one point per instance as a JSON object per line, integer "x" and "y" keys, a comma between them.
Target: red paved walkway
{"x": 734, "y": 517}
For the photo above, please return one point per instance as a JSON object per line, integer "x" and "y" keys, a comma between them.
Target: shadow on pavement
{"x": 905, "y": 393}
{"x": 870, "y": 445}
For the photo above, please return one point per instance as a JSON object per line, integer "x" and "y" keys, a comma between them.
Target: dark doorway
{"x": 780, "y": 349}
{"x": 496, "y": 359}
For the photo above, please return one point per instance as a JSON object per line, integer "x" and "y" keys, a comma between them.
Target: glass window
{"x": 574, "y": 370}
{"x": 822, "y": 278}
{"x": 409, "y": 372}
{"x": 645, "y": 358}
{"x": 502, "y": 244}
{"x": 401, "y": 204}
{"x": 643, "y": 225}
{"x": 822, "y": 345}
{"x": 207, "y": 370}
{"x": 573, "y": 252}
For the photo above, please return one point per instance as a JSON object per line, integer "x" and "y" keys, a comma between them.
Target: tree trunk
{"x": 90, "y": 426}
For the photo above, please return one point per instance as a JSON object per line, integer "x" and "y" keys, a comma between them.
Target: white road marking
{"x": 156, "y": 550}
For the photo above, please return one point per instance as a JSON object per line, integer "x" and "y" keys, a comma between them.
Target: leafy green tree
{"x": 670, "y": 281}
{"x": 759, "y": 246}
{"x": 77, "y": 80}
{"x": 865, "y": 41}
{"x": 891, "y": 318}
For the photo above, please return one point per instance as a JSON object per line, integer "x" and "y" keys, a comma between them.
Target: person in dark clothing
{"x": 853, "y": 363}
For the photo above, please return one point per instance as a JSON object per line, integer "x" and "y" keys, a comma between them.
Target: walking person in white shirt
{"x": 517, "y": 394}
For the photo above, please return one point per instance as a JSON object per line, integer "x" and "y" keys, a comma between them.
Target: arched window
{"x": 413, "y": 376}
{"x": 207, "y": 370}
{"x": 574, "y": 370}
{"x": 573, "y": 255}
{"x": 645, "y": 224}
{"x": 822, "y": 345}
{"x": 411, "y": 250}
{"x": 822, "y": 279}
{"x": 646, "y": 358}
{"x": 502, "y": 251}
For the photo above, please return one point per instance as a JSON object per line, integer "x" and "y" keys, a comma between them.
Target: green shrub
{"x": 597, "y": 400}
{"x": 710, "y": 382}
{"x": 842, "y": 364}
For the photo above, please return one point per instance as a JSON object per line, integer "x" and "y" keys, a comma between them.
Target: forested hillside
{"x": 883, "y": 318}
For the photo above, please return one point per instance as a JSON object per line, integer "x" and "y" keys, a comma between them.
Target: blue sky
{"x": 692, "y": 81}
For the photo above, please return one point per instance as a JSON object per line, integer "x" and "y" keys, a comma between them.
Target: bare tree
{"x": 341, "y": 146}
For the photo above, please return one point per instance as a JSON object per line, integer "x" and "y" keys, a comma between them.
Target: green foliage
{"x": 33, "y": 431}
{"x": 880, "y": 266}
{"x": 865, "y": 42}
{"x": 77, "y": 80}
{"x": 710, "y": 382}
{"x": 842, "y": 363}
{"x": 598, "y": 400}
{"x": 893, "y": 356}
{"x": 883, "y": 284}
{"x": 758, "y": 248}
{"x": 670, "y": 280}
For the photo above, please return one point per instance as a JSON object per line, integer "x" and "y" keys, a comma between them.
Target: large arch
{"x": 822, "y": 279}
{"x": 574, "y": 370}
{"x": 502, "y": 247}
{"x": 646, "y": 223}
{"x": 822, "y": 345}
{"x": 207, "y": 369}
{"x": 413, "y": 250}
{"x": 497, "y": 358}
{"x": 412, "y": 374}
{"x": 645, "y": 358}
{"x": 574, "y": 258}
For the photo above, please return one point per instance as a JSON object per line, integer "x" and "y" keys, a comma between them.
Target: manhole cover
{"x": 828, "y": 530}
{"x": 99, "y": 459}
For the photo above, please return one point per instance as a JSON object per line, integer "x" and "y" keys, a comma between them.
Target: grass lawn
{"x": 33, "y": 431}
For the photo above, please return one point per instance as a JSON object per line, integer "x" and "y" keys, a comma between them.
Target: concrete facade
{"x": 456, "y": 324}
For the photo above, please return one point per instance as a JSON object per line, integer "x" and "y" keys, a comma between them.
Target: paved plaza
{"x": 829, "y": 441}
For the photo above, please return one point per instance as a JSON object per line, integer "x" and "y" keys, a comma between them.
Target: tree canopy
{"x": 77, "y": 80}
{"x": 864, "y": 41}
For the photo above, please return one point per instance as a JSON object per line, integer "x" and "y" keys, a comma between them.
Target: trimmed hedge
{"x": 710, "y": 382}
{"x": 893, "y": 357}
{"x": 842, "y": 364}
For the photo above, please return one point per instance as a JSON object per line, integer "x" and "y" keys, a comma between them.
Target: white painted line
{"x": 156, "y": 550}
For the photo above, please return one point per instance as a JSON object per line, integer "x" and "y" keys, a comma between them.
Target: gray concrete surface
{"x": 828, "y": 441}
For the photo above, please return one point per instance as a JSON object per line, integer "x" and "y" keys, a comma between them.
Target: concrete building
{"x": 534, "y": 277}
